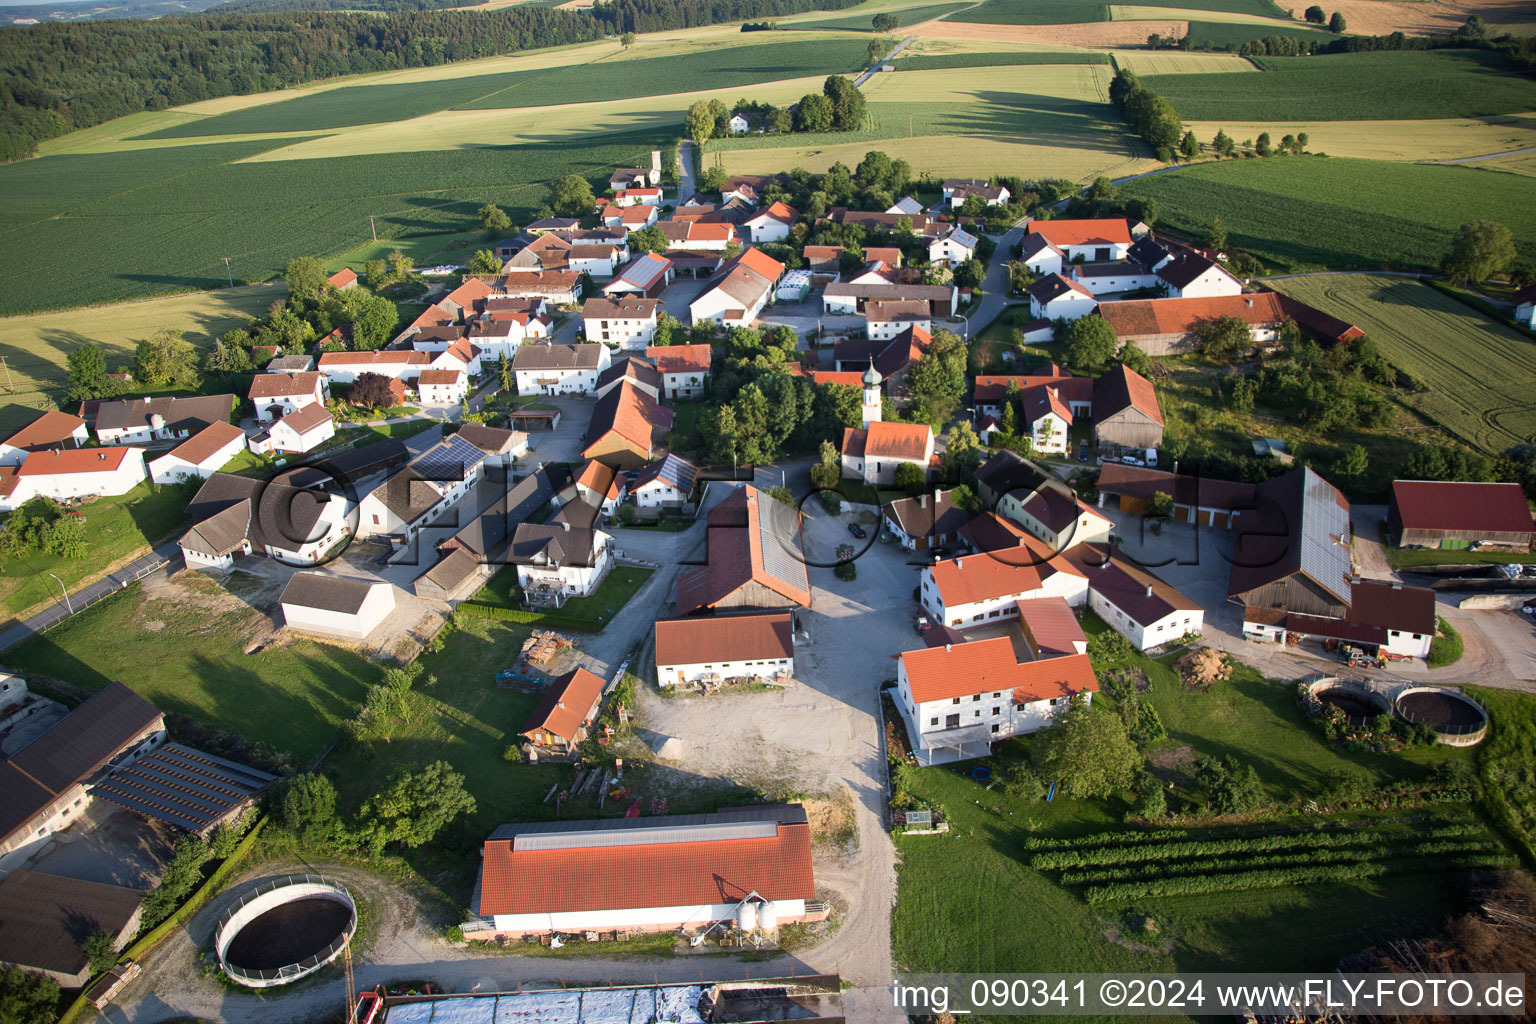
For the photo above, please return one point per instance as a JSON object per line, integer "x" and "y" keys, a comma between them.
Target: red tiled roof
{"x": 468, "y": 293}
{"x": 1109, "y": 231}
{"x": 285, "y": 385}
{"x": 430, "y": 377}
{"x": 1050, "y": 678}
{"x": 566, "y": 705}
{"x": 906, "y": 441}
{"x": 203, "y": 444}
{"x": 1123, "y": 388}
{"x": 991, "y": 388}
{"x": 1051, "y": 625}
{"x": 723, "y": 638}
{"x": 1139, "y": 317}
{"x": 74, "y": 460}
{"x": 998, "y": 573}
{"x": 680, "y": 358}
{"x": 52, "y": 427}
{"x": 392, "y": 356}
{"x": 1464, "y": 507}
{"x": 628, "y": 412}
{"x": 342, "y": 278}
{"x": 595, "y": 476}
{"x": 761, "y": 264}
{"x": 778, "y": 211}
{"x": 637, "y": 215}
{"x": 740, "y": 546}
{"x": 960, "y": 670}
{"x": 433, "y": 316}
{"x": 675, "y": 874}
{"x": 309, "y": 417}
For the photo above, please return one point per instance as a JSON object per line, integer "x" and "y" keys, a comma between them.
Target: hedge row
{"x": 1097, "y": 839}
{"x": 1290, "y": 858}
{"x": 1140, "y": 853}
{"x": 1197, "y": 885}
{"x": 552, "y": 619}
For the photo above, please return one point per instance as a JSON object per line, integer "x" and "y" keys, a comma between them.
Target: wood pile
{"x": 543, "y": 647}
{"x": 1203, "y": 667}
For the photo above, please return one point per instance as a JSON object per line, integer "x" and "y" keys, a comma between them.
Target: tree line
{"x": 60, "y": 76}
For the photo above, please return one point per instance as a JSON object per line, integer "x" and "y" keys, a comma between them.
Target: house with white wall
{"x": 336, "y": 606}
{"x": 885, "y": 319}
{"x": 1137, "y": 605}
{"x": 147, "y": 420}
{"x": 626, "y": 321}
{"x": 73, "y": 473}
{"x": 237, "y": 516}
{"x": 959, "y": 699}
{"x": 952, "y": 248}
{"x": 1114, "y": 277}
{"x": 557, "y": 561}
{"x": 201, "y": 455}
{"x": 739, "y": 292}
{"x": 442, "y": 387}
{"x": 1057, "y": 297}
{"x": 979, "y": 589}
{"x": 51, "y": 430}
{"x": 1040, "y": 256}
{"x": 419, "y": 493}
{"x": 278, "y": 394}
{"x": 667, "y": 484}
{"x": 1093, "y": 240}
{"x": 1192, "y": 276}
{"x": 711, "y": 649}
{"x": 560, "y": 369}
{"x": 771, "y": 223}
{"x": 298, "y": 432}
{"x": 684, "y": 369}
{"x": 399, "y": 364}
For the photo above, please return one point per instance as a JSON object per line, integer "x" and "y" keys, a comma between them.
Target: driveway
{"x": 110, "y": 845}
{"x": 686, "y": 185}
{"x": 1370, "y": 557}
{"x": 678, "y": 295}
{"x": 565, "y": 442}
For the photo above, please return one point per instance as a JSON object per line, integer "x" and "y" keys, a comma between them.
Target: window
{"x": 375, "y": 520}
{"x": 952, "y": 721}
{"x": 954, "y": 700}
{"x": 933, "y": 721}
{"x": 996, "y": 711}
{"x": 995, "y": 727}
{"x": 995, "y": 613}
{"x": 976, "y": 713}
{"x": 996, "y": 694}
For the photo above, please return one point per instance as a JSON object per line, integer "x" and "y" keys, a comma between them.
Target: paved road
{"x": 994, "y": 294}
{"x": 86, "y": 595}
{"x": 1488, "y": 156}
{"x": 686, "y": 183}
{"x": 876, "y": 65}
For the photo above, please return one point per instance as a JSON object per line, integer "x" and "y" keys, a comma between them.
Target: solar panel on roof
{"x": 591, "y": 838}
{"x": 1324, "y": 536}
{"x": 450, "y": 460}
{"x": 778, "y": 524}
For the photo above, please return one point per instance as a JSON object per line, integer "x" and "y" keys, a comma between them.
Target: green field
{"x": 172, "y": 231}
{"x": 1355, "y": 87}
{"x": 1478, "y": 376}
{"x": 1220, "y": 34}
{"x": 119, "y": 529}
{"x": 579, "y": 83}
{"x": 1071, "y": 12}
{"x": 961, "y": 896}
{"x": 863, "y": 23}
{"x": 1307, "y": 214}
{"x": 936, "y": 61}
{"x": 186, "y": 654}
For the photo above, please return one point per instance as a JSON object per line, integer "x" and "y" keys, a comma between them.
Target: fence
{"x": 77, "y": 603}
{"x": 267, "y": 978}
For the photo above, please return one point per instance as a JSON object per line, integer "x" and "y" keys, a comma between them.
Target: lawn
{"x": 118, "y": 529}
{"x": 961, "y": 896}
{"x": 187, "y": 656}
{"x": 35, "y": 346}
{"x": 1311, "y": 213}
{"x": 1072, "y": 12}
{"x": 620, "y": 585}
{"x": 1408, "y": 558}
{"x": 1355, "y": 87}
{"x": 1505, "y": 759}
{"x": 1477, "y": 375}
{"x": 172, "y": 231}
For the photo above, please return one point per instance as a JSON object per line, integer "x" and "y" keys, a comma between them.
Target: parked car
{"x": 1131, "y": 460}
{"x": 856, "y": 530}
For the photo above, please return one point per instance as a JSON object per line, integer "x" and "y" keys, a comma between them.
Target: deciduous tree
{"x": 649, "y": 239}
{"x": 305, "y": 276}
{"x": 484, "y": 261}
{"x": 699, "y": 123}
{"x": 1224, "y": 337}
{"x": 494, "y": 220}
{"x": 572, "y": 196}
{"x": 910, "y": 477}
{"x": 166, "y": 360}
{"x": 1336, "y": 24}
{"x": 1088, "y": 753}
{"x": 413, "y": 808}
{"x": 1478, "y": 250}
{"x": 1091, "y": 343}
{"x": 886, "y": 22}
{"x": 375, "y": 323}
{"x": 815, "y": 113}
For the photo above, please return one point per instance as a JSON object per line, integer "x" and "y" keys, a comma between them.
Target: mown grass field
{"x": 959, "y": 893}
{"x": 1068, "y": 12}
{"x": 1172, "y": 62}
{"x": 864, "y": 22}
{"x": 1407, "y": 141}
{"x": 941, "y": 61}
{"x": 1311, "y": 213}
{"x": 1478, "y": 375}
{"x": 36, "y": 345}
{"x": 1036, "y": 120}
{"x": 187, "y": 656}
{"x": 1230, "y": 33}
{"x": 1355, "y": 87}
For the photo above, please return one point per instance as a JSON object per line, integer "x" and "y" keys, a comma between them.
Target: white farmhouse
{"x": 978, "y": 589}
{"x": 298, "y": 432}
{"x": 1092, "y": 240}
{"x": 667, "y": 484}
{"x": 625, "y": 321}
{"x": 557, "y": 561}
{"x": 202, "y": 455}
{"x": 1056, "y": 297}
{"x": 771, "y": 223}
{"x": 146, "y": 420}
{"x": 1137, "y": 605}
{"x": 559, "y": 369}
{"x": 442, "y": 387}
{"x": 73, "y": 473}
{"x": 710, "y": 649}
{"x": 684, "y": 369}
{"x": 278, "y": 394}
{"x": 401, "y": 364}
{"x": 50, "y": 430}
{"x": 1040, "y": 256}
{"x": 1192, "y": 276}
{"x": 952, "y": 248}
{"x": 239, "y": 516}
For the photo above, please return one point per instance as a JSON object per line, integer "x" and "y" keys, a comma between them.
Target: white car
{"x": 1131, "y": 460}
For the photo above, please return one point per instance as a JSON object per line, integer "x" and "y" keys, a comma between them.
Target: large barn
{"x": 1455, "y": 516}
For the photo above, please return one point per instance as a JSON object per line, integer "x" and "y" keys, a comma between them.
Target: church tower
{"x": 871, "y": 409}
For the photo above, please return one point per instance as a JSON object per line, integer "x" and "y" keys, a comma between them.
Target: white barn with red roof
{"x": 650, "y": 874}
{"x": 52, "y": 429}
{"x": 74, "y": 473}
{"x": 771, "y": 223}
{"x": 977, "y": 589}
{"x": 1091, "y": 240}
{"x": 714, "y": 648}
{"x": 959, "y": 699}
{"x": 299, "y": 432}
{"x": 401, "y": 364}
{"x": 201, "y": 455}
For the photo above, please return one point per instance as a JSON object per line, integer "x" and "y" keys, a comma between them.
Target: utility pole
{"x": 228, "y": 273}
{"x": 909, "y": 125}
{"x": 67, "y": 606}
{"x": 9, "y": 385}
{"x": 371, "y": 229}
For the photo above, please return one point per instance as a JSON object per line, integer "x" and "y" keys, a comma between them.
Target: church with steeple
{"x": 872, "y": 452}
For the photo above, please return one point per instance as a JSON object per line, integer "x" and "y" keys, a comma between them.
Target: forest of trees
{"x": 60, "y": 76}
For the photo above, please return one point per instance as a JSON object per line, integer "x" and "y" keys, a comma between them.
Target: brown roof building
{"x": 44, "y": 919}
{"x": 754, "y": 558}
{"x": 1443, "y": 514}
{"x": 566, "y": 711}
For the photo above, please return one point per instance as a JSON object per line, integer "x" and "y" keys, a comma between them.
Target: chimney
{"x": 1248, "y": 303}
{"x": 922, "y": 501}
{"x": 1149, "y": 590}
{"x": 949, "y": 648}
{"x": 567, "y": 525}
{"x": 101, "y": 457}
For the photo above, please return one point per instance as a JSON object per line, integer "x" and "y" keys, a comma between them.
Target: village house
{"x": 957, "y": 190}
{"x": 635, "y": 177}
{"x": 770, "y": 224}
{"x": 1136, "y": 604}
{"x": 959, "y": 699}
{"x": 1040, "y": 256}
{"x": 401, "y": 364}
{"x": 1455, "y": 516}
{"x": 1056, "y": 516}
{"x": 1165, "y": 327}
{"x": 1125, "y": 410}
{"x": 563, "y": 718}
{"x": 462, "y": 356}
{"x": 559, "y": 369}
{"x": 298, "y": 432}
{"x": 481, "y": 546}
{"x": 48, "y": 781}
{"x": 1055, "y": 297}
{"x": 978, "y": 589}
{"x": 418, "y": 494}
{"x": 885, "y": 319}
{"x": 1085, "y": 240}
{"x": 302, "y": 363}
{"x": 201, "y": 455}
{"x": 278, "y": 394}
{"x": 441, "y": 387}
{"x": 630, "y": 219}
{"x": 1113, "y": 277}
{"x": 557, "y": 561}
{"x": 926, "y": 521}
{"x": 693, "y": 235}
{"x": 547, "y": 251}
{"x": 45, "y": 920}
{"x": 237, "y": 516}
{"x": 599, "y": 485}
{"x": 991, "y": 390}
{"x": 500, "y": 447}
{"x": 845, "y": 297}
{"x": 343, "y": 279}
{"x": 627, "y": 322}
{"x": 643, "y": 196}
{"x": 711, "y": 649}
{"x": 657, "y": 873}
{"x": 952, "y": 248}
{"x": 51, "y": 430}
{"x": 741, "y": 290}
{"x": 667, "y": 484}
{"x": 892, "y": 357}
{"x": 627, "y": 427}
{"x": 920, "y": 224}
{"x": 560, "y": 287}
{"x": 646, "y": 277}
{"x": 1293, "y": 573}
{"x": 684, "y": 369}
{"x": 754, "y": 559}
{"x": 344, "y": 607}
{"x": 1192, "y": 276}
{"x": 72, "y": 473}
{"x": 146, "y": 420}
